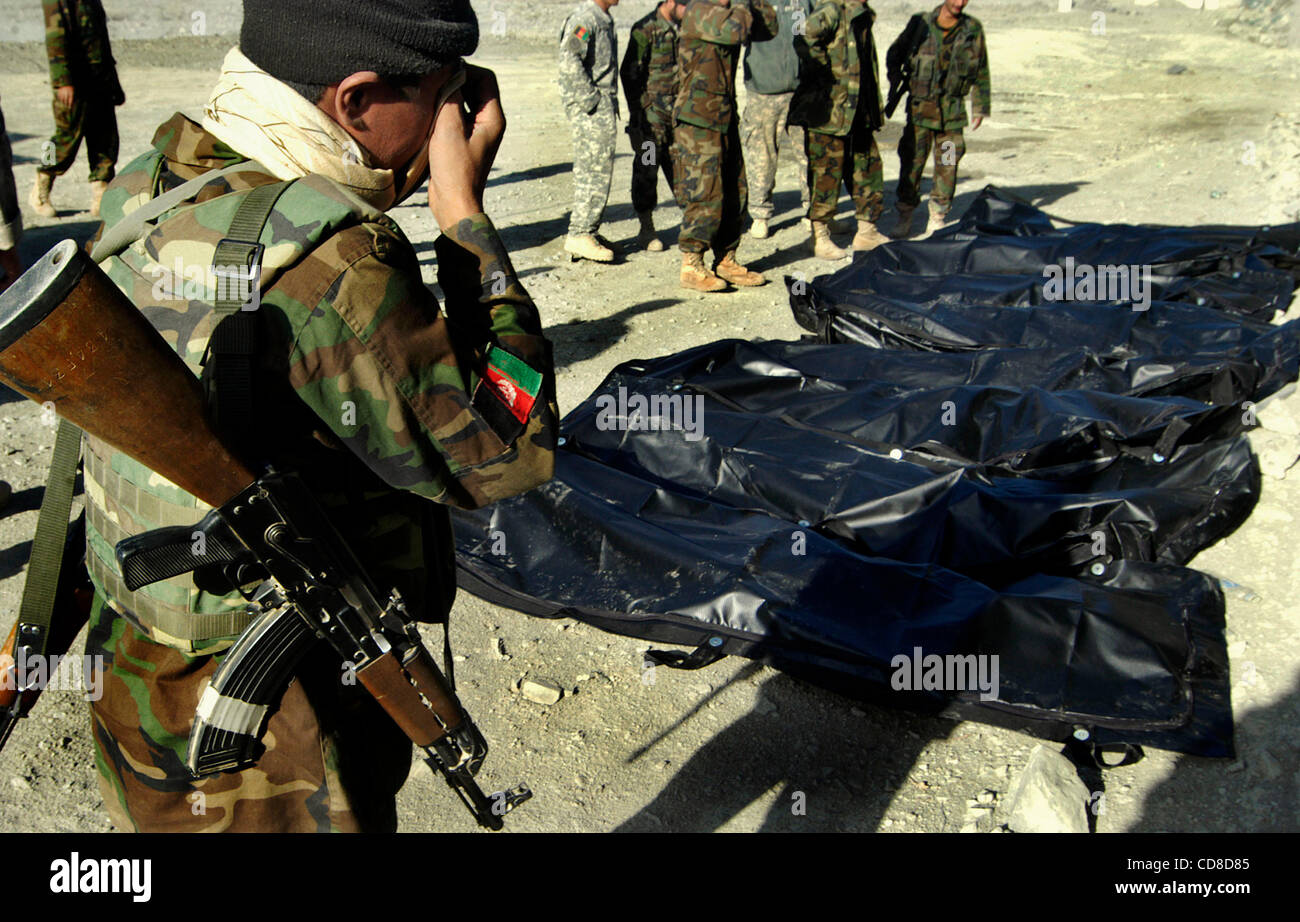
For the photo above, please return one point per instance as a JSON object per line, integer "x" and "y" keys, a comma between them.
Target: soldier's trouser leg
{"x": 827, "y": 156}
{"x": 759, "y": 127}
{"x": 650, "y": 155}
{"x": 949, "y": 146}
{"x": 593, "y": 165}
{"x": 913, "y": 149}
{"x": 334, "y": 760}
{"x": 698, "y": 172}
{"x": 866, "y": 177}
{"x": 735, "y": 193}
{"x": 90, "y": 118}
{"x": 102, "y": 141}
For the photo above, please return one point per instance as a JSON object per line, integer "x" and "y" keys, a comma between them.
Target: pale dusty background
{"x": 1089, "y": 126}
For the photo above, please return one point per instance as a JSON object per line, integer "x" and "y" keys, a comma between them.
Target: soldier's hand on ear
{"x": 463, "y": 146}
{"x": 67, "y": 96}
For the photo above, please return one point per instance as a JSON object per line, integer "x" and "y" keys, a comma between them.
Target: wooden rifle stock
{"x": 69, "y": 339}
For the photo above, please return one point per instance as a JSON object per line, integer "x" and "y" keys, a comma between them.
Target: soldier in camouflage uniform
{"x": 707, "y": 160}
{"x": 838, "y": 101}
{"x": 86, "y": 90}
{"x": 771, "y": 76}
{"x": 389, "y": 410}
{"x": 950, "y": 63}
{"x": 649, "y": 76}
{"x": 588, "y": 65}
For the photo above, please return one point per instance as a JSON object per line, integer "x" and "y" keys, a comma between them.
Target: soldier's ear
{"x": 354, "y": 96}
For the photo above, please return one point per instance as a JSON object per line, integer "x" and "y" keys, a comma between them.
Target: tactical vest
{"x": 123, "y": 497}
{"x": 929, "y": 80}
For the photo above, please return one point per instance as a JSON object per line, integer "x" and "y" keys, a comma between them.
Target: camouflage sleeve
{"x": 457, "y": 408}
{"x": 576, "y": 84}
{"x": 822, "y": 22}
{"x": 56, "y": 34}
{"x": 632, "y": 73}
{"x": 981, "y": 94}
{"x": 766, "y": 25}
{"x": 709, "y": 22}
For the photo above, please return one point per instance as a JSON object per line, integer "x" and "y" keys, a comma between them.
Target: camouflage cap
{"x": 323, "y": 41}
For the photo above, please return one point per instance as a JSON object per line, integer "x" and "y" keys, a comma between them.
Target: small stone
{"x": 20, "y": 784}
{"x": 1048, "y": 796}
{"x": 1268, "y": 765}
{"x": 501, "y": 649}
{"x": 987, "y": 797}
{"x": 1238, "y": 766}
{"x": 1176, "y": 69}
{"x": 541, "y": 691}
{"x": 857, "y": 712}
{"x": 459, "y": 658}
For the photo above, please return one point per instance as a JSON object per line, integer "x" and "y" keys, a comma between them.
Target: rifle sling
{"x": 36, "y": 611}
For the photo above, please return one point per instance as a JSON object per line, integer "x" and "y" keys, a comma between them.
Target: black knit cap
{"x": 323, "y": 41}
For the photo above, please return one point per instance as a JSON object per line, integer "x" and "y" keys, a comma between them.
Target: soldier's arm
{"x": 709, "y": 22}
{"x": 56, "y": 35}
{"x": 457, "y": 408}
{"x": 766, "y": 25}
{"x": 981, "y": 93}
{"x": 573, "y": 63}
{"x": 822, "y": 22}
{"x": 632, "y": 72}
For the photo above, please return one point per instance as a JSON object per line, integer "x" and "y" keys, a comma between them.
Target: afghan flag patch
{"x": 515, "y": 382}
{"x": 582, "y": 32}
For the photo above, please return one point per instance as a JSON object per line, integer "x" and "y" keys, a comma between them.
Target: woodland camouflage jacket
{"x": 837, "y": 76}
{"x": 649, "y": 69}
{"x": 363, "y": 385}
{"x": 944, "y": 70}
{"x": 711, "y": 39}
{"x": 76, "y": 40}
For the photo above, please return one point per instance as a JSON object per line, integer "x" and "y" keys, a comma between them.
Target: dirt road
{"x": 1162, "y": 116}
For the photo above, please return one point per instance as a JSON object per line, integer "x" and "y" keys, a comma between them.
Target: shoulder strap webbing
{"x": 41, "y": 587}
{"x": 131, "y": 228}
{"x": 232, "y": 350}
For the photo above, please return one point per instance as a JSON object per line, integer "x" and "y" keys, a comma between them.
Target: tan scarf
{"x": 267, "y": 121}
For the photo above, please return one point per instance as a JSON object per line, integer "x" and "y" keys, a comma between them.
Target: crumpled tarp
{"x": 1028, "y": 494}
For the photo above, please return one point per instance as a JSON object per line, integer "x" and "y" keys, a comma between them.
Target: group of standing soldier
{"x": 812, "y": 81}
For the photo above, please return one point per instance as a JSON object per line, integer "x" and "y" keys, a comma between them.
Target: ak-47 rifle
{"x": 898, "y": 60}
{"x": 69, "y": 337}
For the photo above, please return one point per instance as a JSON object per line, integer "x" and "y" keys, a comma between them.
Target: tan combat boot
{"x": 587, "y": 247}
{"x": 97, "y": 189}
{"x": 758, "y": 229}
{"x": 937, "y": 220}
{"x": 647, "y": 234}
{"x": 40, "y": 197}
{"x": 696, "y": 276}
{"x": 904, "y": 226}
{"x": 823, "y": 246}
{"x": 868, "y": 236}
{"x": 727, "y": 268}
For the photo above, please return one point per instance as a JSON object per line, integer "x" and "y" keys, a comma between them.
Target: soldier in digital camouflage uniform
{"x": 588, "y": 88}
{"x": 387, "y": 408}
{"x": 649, "y": 76}
{"x": 771, "y": 76}
{"x": 950, "y": 63}
{"x": 83, "y": 76}
{"x": 707, "y": 161}
{"x": 838, "y": 102}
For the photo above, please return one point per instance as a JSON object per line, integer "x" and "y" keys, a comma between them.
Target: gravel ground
{"x": 1166, "y": 117}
